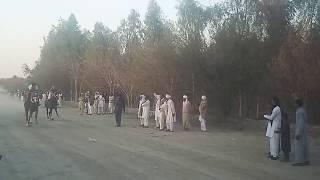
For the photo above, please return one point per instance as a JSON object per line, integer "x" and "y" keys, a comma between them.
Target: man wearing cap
{"x": 111, "y": 104}
{"x": 171, "y": 114}
{"x": 203, "y": 109}
{"x": 145, "y": 112}
{"x": 163, "y": 113}
{"x": 157, "y": 110}
{"x": 140, "y": 110}
{"x": 186, "y": 113}
{"x": 81, "y": 104}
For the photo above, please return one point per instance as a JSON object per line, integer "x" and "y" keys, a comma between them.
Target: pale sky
{"x": 24, "y": 23}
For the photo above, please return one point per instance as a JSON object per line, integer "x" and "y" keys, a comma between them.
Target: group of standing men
{"x": 96, "y": 104}
{"x": 102, "y": 104}
{"x": 278, "y": 133}
{"x": 165, "y": 112}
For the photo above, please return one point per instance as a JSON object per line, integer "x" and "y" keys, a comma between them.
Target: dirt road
{"x": 58, "y": 150}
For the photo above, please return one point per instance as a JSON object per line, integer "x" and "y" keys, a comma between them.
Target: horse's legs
{"x": 56, "y": 109}
{"x": 27, "y": 115}
{"x": 47, "y": 108}
{"x": 30, "y": 117}
{"x": 36, "y": 116}
{"x": 50, "y": 113}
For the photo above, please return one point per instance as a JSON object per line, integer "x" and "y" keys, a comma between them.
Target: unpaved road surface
{"x": 61, "y": 150}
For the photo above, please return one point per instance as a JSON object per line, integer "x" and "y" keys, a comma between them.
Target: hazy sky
{"x": 24, "y": 23}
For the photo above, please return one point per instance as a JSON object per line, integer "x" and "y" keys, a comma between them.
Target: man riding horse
{"x": 52, "y": 103}
{"x": 32, "y": 103}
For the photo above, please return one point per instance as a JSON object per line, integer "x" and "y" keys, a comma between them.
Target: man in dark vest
{"x": 119, "y": 107}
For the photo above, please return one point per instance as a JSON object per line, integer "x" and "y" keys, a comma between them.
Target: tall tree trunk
{"x": 240, "y": 104}
{"x": 193, "y": 89}
{"x": 71, "y": 92}
{"x": 131, "y": 100}
{"x": 258, "y": 109}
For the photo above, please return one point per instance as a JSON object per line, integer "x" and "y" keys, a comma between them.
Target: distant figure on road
{"x": 119, "y": 108}
{"x": 81, "y": 104}
{"x": 186, "y": 113}
{"x": 157, "y": 110}
{"x": 146, "y": 112}
{"x": 140, "y": 110}
{"x": 301, "y": 139}
{"x": 163, "y": 113}
{"x": 60, "y": 98}
{"x": 101, "y": 104}
{"x": 111, "y": 104}
{"x": 203, "y": 110}
{"x": 171, "y": 114}
{"x": 274, "y": 129}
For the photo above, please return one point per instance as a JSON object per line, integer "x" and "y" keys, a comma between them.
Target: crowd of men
{"x": 164, "y": 109}
{"x": 278, "y": 133}
{"x": 278, "y": 129}
{"x": 165, "y": 112}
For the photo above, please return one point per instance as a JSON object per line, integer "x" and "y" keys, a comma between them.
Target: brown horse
{"x": 31, "y": 104}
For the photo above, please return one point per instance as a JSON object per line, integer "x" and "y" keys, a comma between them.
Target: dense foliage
{"x": 237, "y": 52}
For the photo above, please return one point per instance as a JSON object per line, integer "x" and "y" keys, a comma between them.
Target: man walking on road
{"x": 301, "y": 139}
{"x": 119, "y": 107}
{"x": 171, "y": 114}
{"x": 186, "y": 112}
{"x": 203, "y": 108}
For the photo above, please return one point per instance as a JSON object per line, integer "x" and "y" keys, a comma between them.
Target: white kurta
{"x": 163, "y": 115}
{"x": 157, "y": 113}
{"x": 145, "y": 112}
{"x": 140, "y": 111}
{"x": 171, "y": 115}
{"x": 111, "y": 104}
{"x": 101, "y": 102}
{"x": 60, "y": 100}
{"x": 272, "y": 130}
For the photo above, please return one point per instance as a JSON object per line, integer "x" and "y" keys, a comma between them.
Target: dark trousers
{"x": 118, "y": 118}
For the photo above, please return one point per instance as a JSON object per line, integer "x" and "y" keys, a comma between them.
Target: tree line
{"x": 239, "y": 53}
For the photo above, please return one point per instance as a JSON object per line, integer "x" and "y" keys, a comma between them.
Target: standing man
{"x": 171, "y": 114}
{"x": 186, "y": 113}
{"x": 111, "y": 104}
{"x": 145, "y": 112}
{"x": 301, "y": 139}
{"x": 140, "y": 110}
{"x": 157, "y": 110}
{"x": 203, "y": 110}
{"x": 101, "y": 103}
{"x": 274, "y": 127}
{"x": 119, "y": 107}
{"x": 87, "y": 101}
{"x": 81, "y": 104}
{"x": 163, "y": 113}
{"x": 96, "y": 102}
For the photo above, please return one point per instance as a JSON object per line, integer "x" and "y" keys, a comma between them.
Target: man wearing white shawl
{"x": 273, "y": 130}
{"x": 171, "y": 114}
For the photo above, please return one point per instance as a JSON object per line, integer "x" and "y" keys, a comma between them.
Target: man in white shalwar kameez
{"x": 171, "y": 114}
{"x": 163, "y": 113}
{"x": 157, "y": 110}
{"x": 273, "y": 130}
{"x": 111, "y": 104}
{"x": 186, "y": 113}
{"x": 44, "y": 98}
{"x": 145, "y": 112}
{"x": 203, "y": 110}
{"x": 140, "y": 110}
{"x": 101, "y": 102}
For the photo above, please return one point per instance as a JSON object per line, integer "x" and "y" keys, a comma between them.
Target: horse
{"x": 31, "y": 105}
{"x": 50, "y": 104}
